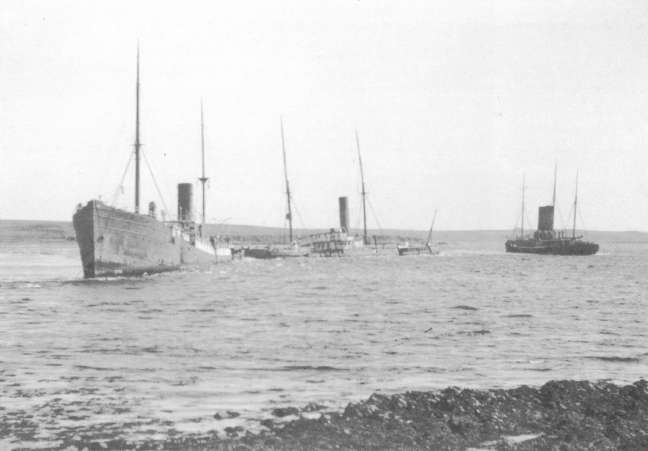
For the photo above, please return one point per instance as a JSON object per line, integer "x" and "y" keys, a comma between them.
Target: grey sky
{"x": 453, "y": 102}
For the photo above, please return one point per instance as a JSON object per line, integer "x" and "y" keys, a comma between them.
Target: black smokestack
{"x": 185, "y": 202}
{"x": 546, "y": 218}
{"x": 344, "y": 213}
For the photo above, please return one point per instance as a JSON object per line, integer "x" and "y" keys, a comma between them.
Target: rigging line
{"x": 299, "y": 216}
{"x": 582, "y": 220}
{"x": 528, "y": 222}
{"x": 570, "y": 214}
{"x": 373, "y": 212}
{"x": 560, "y": 216}
{"x": 121, "y": 183}
{"x": 157, "y": 188}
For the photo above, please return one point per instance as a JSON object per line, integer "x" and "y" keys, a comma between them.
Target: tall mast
{"x": 364, "y": 193}
{"x": 429, "y": 237}
{"x": 575, "y": 207}
{"x": 553, "y": 199}
{"x": 137, "y": 137}
{"x": 522, "y": 213}
{"x": 202, "y": 179}
{"x": 289, "y": 214}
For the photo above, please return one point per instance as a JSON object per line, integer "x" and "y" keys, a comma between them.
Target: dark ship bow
{"x": 116, "y": 242}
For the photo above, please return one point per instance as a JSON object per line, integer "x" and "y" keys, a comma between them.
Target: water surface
{"x": 147, "y": 357}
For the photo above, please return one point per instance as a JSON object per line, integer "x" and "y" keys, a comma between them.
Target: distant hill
{"x": 27, "y": 230}
{"x": 23, "y": 230}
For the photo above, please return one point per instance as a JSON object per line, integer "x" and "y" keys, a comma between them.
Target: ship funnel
{"x": 185, "y": 202}
{"x": 344, "y": 213}
{"x": 546, "y": 218}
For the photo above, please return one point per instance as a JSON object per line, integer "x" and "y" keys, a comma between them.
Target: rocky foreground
{"x": 560, "y": 415}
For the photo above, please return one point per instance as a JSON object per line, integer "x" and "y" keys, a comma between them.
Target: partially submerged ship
{"x": 293, "y": 249}
{"x": 406, "y": 249}
{"x": 546, "y": 240}
{"x": 116, "y": 242}
{"x": 335, "y": 241}
{"x": 340, "y": 241}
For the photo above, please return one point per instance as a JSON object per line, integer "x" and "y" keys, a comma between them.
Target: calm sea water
{"x": 144, "y": 357}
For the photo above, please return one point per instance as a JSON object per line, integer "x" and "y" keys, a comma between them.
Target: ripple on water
{"x": 77, "y": 360}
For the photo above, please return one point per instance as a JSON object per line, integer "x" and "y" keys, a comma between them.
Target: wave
{"x": 615, "y": 359}
{"x": 310, "y": 368}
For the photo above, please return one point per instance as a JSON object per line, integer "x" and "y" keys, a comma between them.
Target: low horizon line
{"x": 356, "y": 228}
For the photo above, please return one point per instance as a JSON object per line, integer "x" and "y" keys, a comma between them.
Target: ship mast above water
{"x": 364, "y": 193}
{"x": 522, "y": 213}
{"x": 575, "y": 207}
{"x": 137, "y": 136}
{"x": 202, "y": 179}
{"x": 288, "y": 200}
{"x": 429, "y": 236}
{"x": 553, "y": 199}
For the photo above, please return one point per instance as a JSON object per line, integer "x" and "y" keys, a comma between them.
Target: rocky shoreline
{"x": 560, "y": 415}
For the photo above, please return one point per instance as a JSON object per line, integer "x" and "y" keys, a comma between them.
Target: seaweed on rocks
{"x": 560, "y": 415}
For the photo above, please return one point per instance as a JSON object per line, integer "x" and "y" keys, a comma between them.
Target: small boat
{"x": 280, "y": 251}
{"x": 546, "y": 240}
{"x": 406, "y": 249}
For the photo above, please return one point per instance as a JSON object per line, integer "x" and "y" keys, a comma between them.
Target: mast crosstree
{"x": 202, "y": 179}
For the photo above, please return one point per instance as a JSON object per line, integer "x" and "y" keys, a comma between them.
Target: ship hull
{"x": 114, "y": 242}
{"x": 405, "y": 250}
{"x": 552, "y": 247}
{"x": 270, "y": 253}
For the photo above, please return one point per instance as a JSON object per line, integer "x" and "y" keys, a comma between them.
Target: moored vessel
{"x": 546, "y": 240}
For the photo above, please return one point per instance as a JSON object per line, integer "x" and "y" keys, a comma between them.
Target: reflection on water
{"x": 191, "y": 352}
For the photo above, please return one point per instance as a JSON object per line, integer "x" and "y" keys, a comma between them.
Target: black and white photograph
{"x": 324, "y": 225}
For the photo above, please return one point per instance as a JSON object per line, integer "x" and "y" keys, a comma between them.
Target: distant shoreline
{"x": 17, "y": 230}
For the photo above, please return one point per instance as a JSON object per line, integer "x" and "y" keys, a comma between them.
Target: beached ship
{"x": 293, "y": 249}
{"x": 546, "y": 240}
{"x": 406, "y": 249}
{"x": 115, "y": 242}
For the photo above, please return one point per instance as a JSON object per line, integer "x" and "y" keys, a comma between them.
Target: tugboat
{"x": 116, "y": 242}
{"x": 546, "y": 240}
{"x": 406, "y": 249}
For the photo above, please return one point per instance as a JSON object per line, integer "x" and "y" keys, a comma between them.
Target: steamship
{"x": 546, "y": 240}
{"x": 115, "y": 242}
{"x": 339, "y": 241}
{"x": 335, "y": 241}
